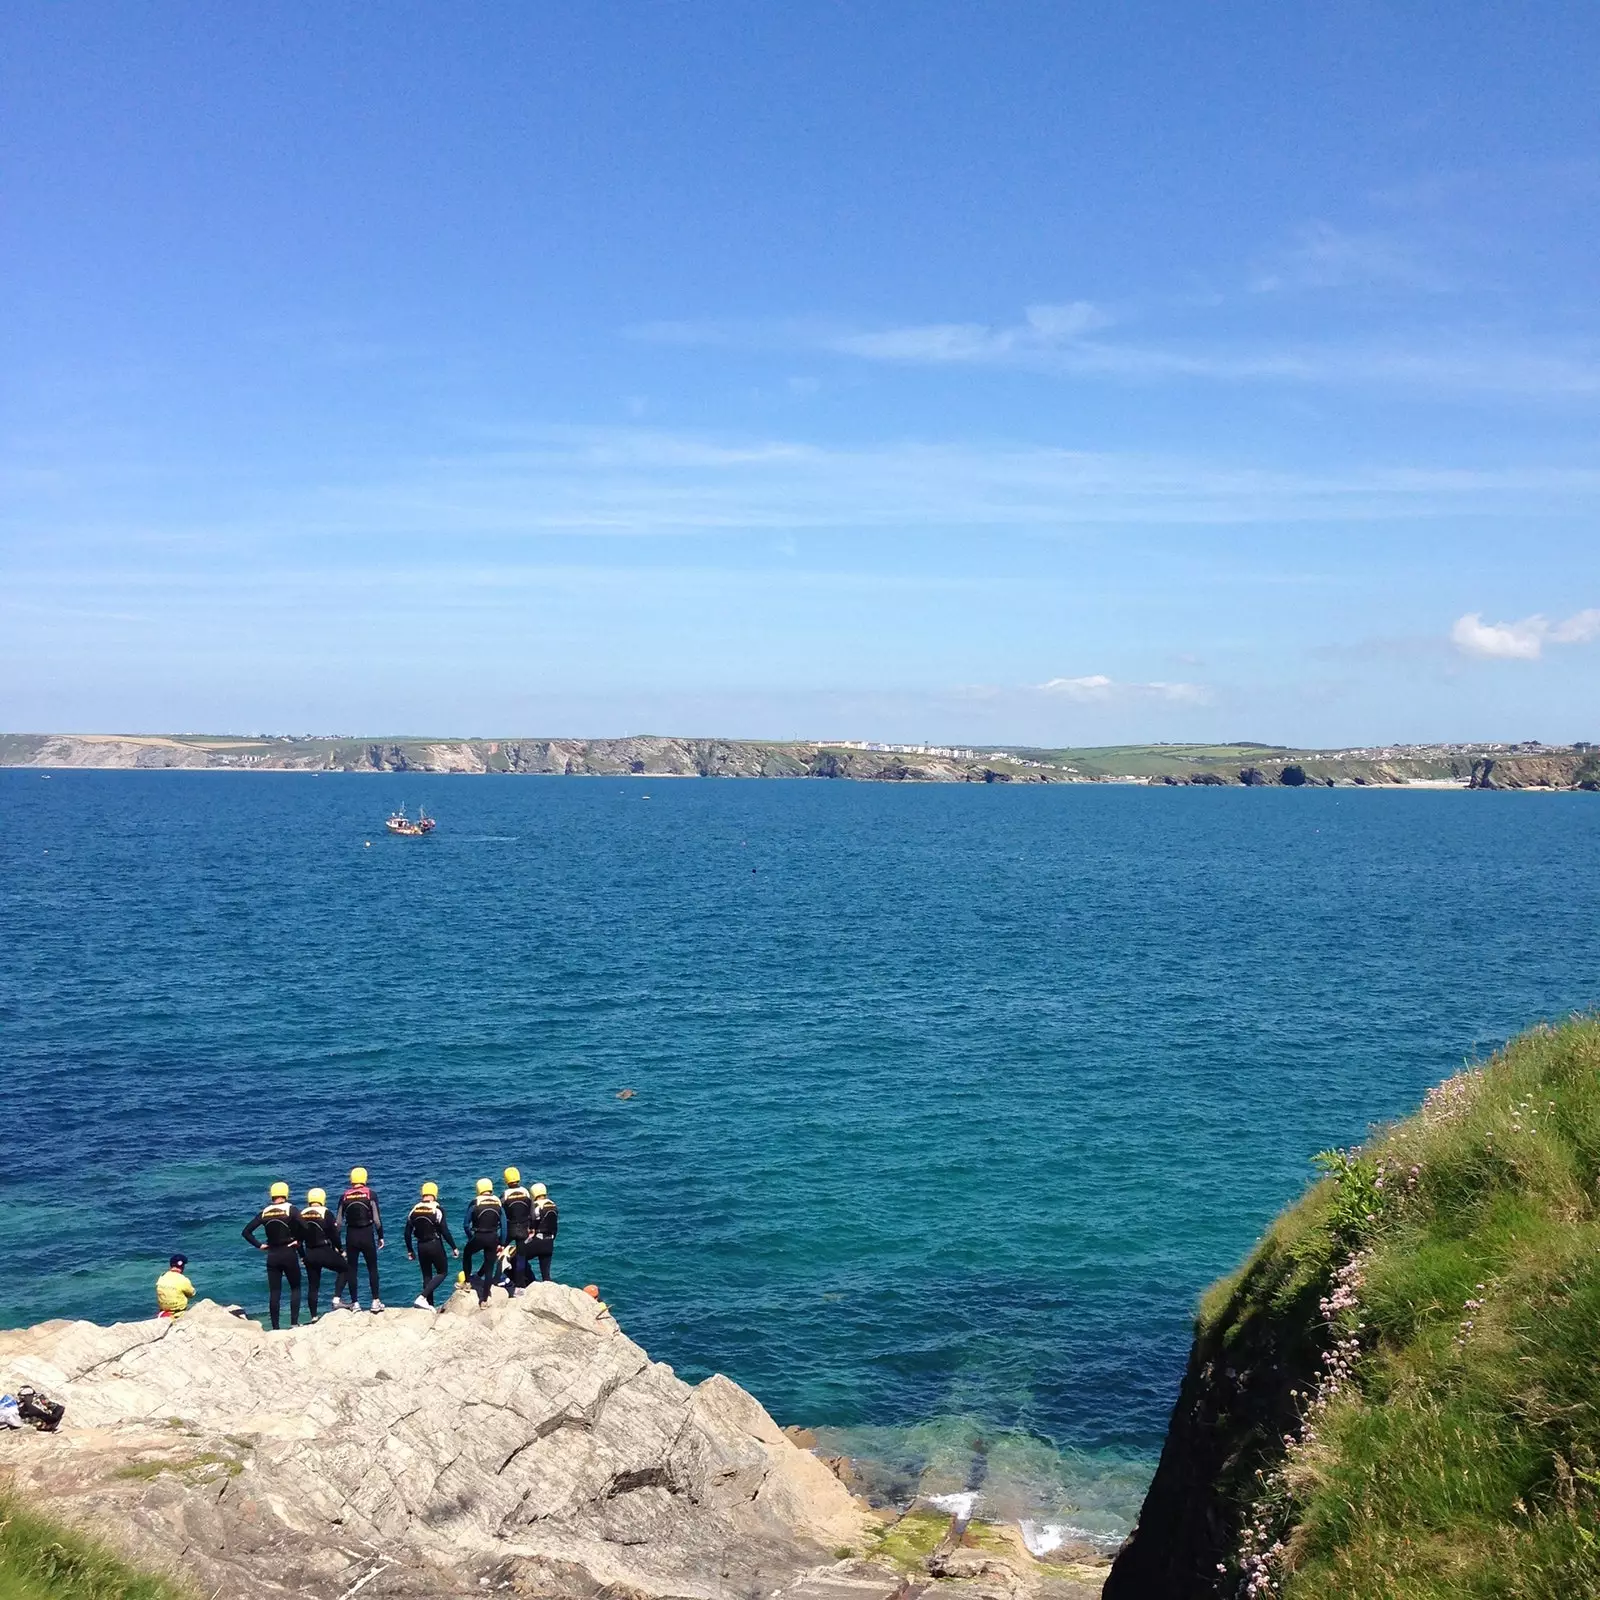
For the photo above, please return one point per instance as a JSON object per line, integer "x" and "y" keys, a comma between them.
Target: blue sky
{"x": 1048, "y": 372}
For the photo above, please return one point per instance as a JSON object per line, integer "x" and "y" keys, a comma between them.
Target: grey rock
{"x": 527, "y": 1444}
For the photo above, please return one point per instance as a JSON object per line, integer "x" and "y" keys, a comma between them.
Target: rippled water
{"x": 948, "y": 1101}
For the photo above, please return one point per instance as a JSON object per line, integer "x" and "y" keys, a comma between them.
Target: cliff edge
{"x": 1398, "y": 1394}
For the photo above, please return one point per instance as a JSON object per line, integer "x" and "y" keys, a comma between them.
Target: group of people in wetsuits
{"x": 510, "y": 1234}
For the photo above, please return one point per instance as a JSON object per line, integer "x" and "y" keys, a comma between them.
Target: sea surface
{"x": 947, "y": 1101}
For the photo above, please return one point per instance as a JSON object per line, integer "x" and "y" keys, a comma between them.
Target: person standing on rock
{"x": 319, "y": 1234}
{"x": 483, "y": 1235}
{"x": 541, "y": 1244}
{"x": 281, "y": 1222}
{"x": 517, "y": 1204}
{"x": 427, "y": 1233}
{"x": 361, "y": 1224}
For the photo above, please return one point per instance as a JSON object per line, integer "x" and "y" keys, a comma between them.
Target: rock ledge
{"x": 527, "y": 1446}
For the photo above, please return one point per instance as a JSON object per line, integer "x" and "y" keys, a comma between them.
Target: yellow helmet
{"x": 512, "y": 1175}
{"x": 280, "y": 1191}
{"x": 430, "y": 1191}
{"x": 538, "y": 1192}
{"x": 316, "y": 1197}
{"x": 358, "y": 1174}
{"x": 485, "y": 1186}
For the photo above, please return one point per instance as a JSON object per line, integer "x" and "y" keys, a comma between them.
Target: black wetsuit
{"x": 320, "y": 1248}
{"x": 427, "y": 1233}
{"x": 362, "y": 1223}
{"x": 483, "y": 1236}
{"x": 541, "y": 1245}
{"x": 517, "y": 1204}
{"x": 283, "y": 1228}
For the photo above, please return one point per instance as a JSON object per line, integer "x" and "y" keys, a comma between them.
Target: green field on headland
{"x": 1481, "y": 766}
{"x": 1399, "y": 1392}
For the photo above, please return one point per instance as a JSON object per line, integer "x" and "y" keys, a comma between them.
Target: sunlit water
{"x": 948, "y": 1100}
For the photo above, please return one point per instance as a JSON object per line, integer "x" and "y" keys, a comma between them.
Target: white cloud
{"x": 1095, "y": 687}
{"x": 1523, "y": 640}
{"x": 1098, "y": 689}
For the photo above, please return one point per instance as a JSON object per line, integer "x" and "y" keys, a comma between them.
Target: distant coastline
{"x": 1466, "y": 766}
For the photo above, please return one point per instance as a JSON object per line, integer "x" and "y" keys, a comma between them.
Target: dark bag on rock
{"x": 39, "y": 1409}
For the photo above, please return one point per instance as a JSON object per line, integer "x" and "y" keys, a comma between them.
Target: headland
{"x": 1527, "y": 765}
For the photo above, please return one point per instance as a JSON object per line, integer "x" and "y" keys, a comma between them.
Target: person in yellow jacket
{"x": 173, "y": 1290}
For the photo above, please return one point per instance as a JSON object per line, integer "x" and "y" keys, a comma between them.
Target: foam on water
{"x": 942, "y": 1118}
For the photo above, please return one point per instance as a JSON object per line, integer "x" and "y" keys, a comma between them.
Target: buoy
{"x": 592, "y": 1290}
{"x": 369, "y": 844}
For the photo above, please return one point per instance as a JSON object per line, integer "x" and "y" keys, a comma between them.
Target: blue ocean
{"x": 947, "y": 1102}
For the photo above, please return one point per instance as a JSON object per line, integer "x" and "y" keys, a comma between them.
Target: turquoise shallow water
{"x": 949, "y": 1101}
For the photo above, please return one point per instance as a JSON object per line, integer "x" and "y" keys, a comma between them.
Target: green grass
{"x": 1464, "y": 1461}
{"x": 41, "y": 1560}
{"x": 193, "y": 1469}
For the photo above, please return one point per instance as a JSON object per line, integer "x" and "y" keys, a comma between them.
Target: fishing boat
{"x": 402, "y": 824}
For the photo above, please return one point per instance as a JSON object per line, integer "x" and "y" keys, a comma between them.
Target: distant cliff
{"x": 1477, "y": 766}
{"x": 650, "y": 757}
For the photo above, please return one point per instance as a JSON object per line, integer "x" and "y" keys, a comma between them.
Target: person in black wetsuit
{"x": 517, "y": 1204}
{"x": 362, "y": 1225}
{"x": 483, "y": 1236}
{"x": 319, "y": 1234}
{"x": 281, "y": 1221}
{"x": 541, "y": 1245}
{"x": 427, "y": 1233}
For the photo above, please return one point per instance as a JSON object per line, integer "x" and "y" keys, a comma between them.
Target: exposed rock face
{"x": 643, "y": 756}
{"x": 1237, "y": 1402}
{"x": 529, "y": 1443}
{"x": 1563, "y": 770}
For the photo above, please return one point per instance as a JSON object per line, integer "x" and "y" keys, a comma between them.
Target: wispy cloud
{"x": 1067, "y": 341}
{"x": 513, "y": 484}
{"x": 1523, "y": 640}
{"x": 1325, "y": 257}
{"x": 1044, "y": 330}
{"x": 1098, "y": 689}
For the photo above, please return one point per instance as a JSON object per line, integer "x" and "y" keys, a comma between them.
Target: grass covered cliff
{"x": 1398, "y": 1394}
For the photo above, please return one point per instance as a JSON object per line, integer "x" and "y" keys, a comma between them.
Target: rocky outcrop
{"x": 1237, "y": 1402}
{"x": 1557, "y": 770}
{"x": 527, "y": 1445}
